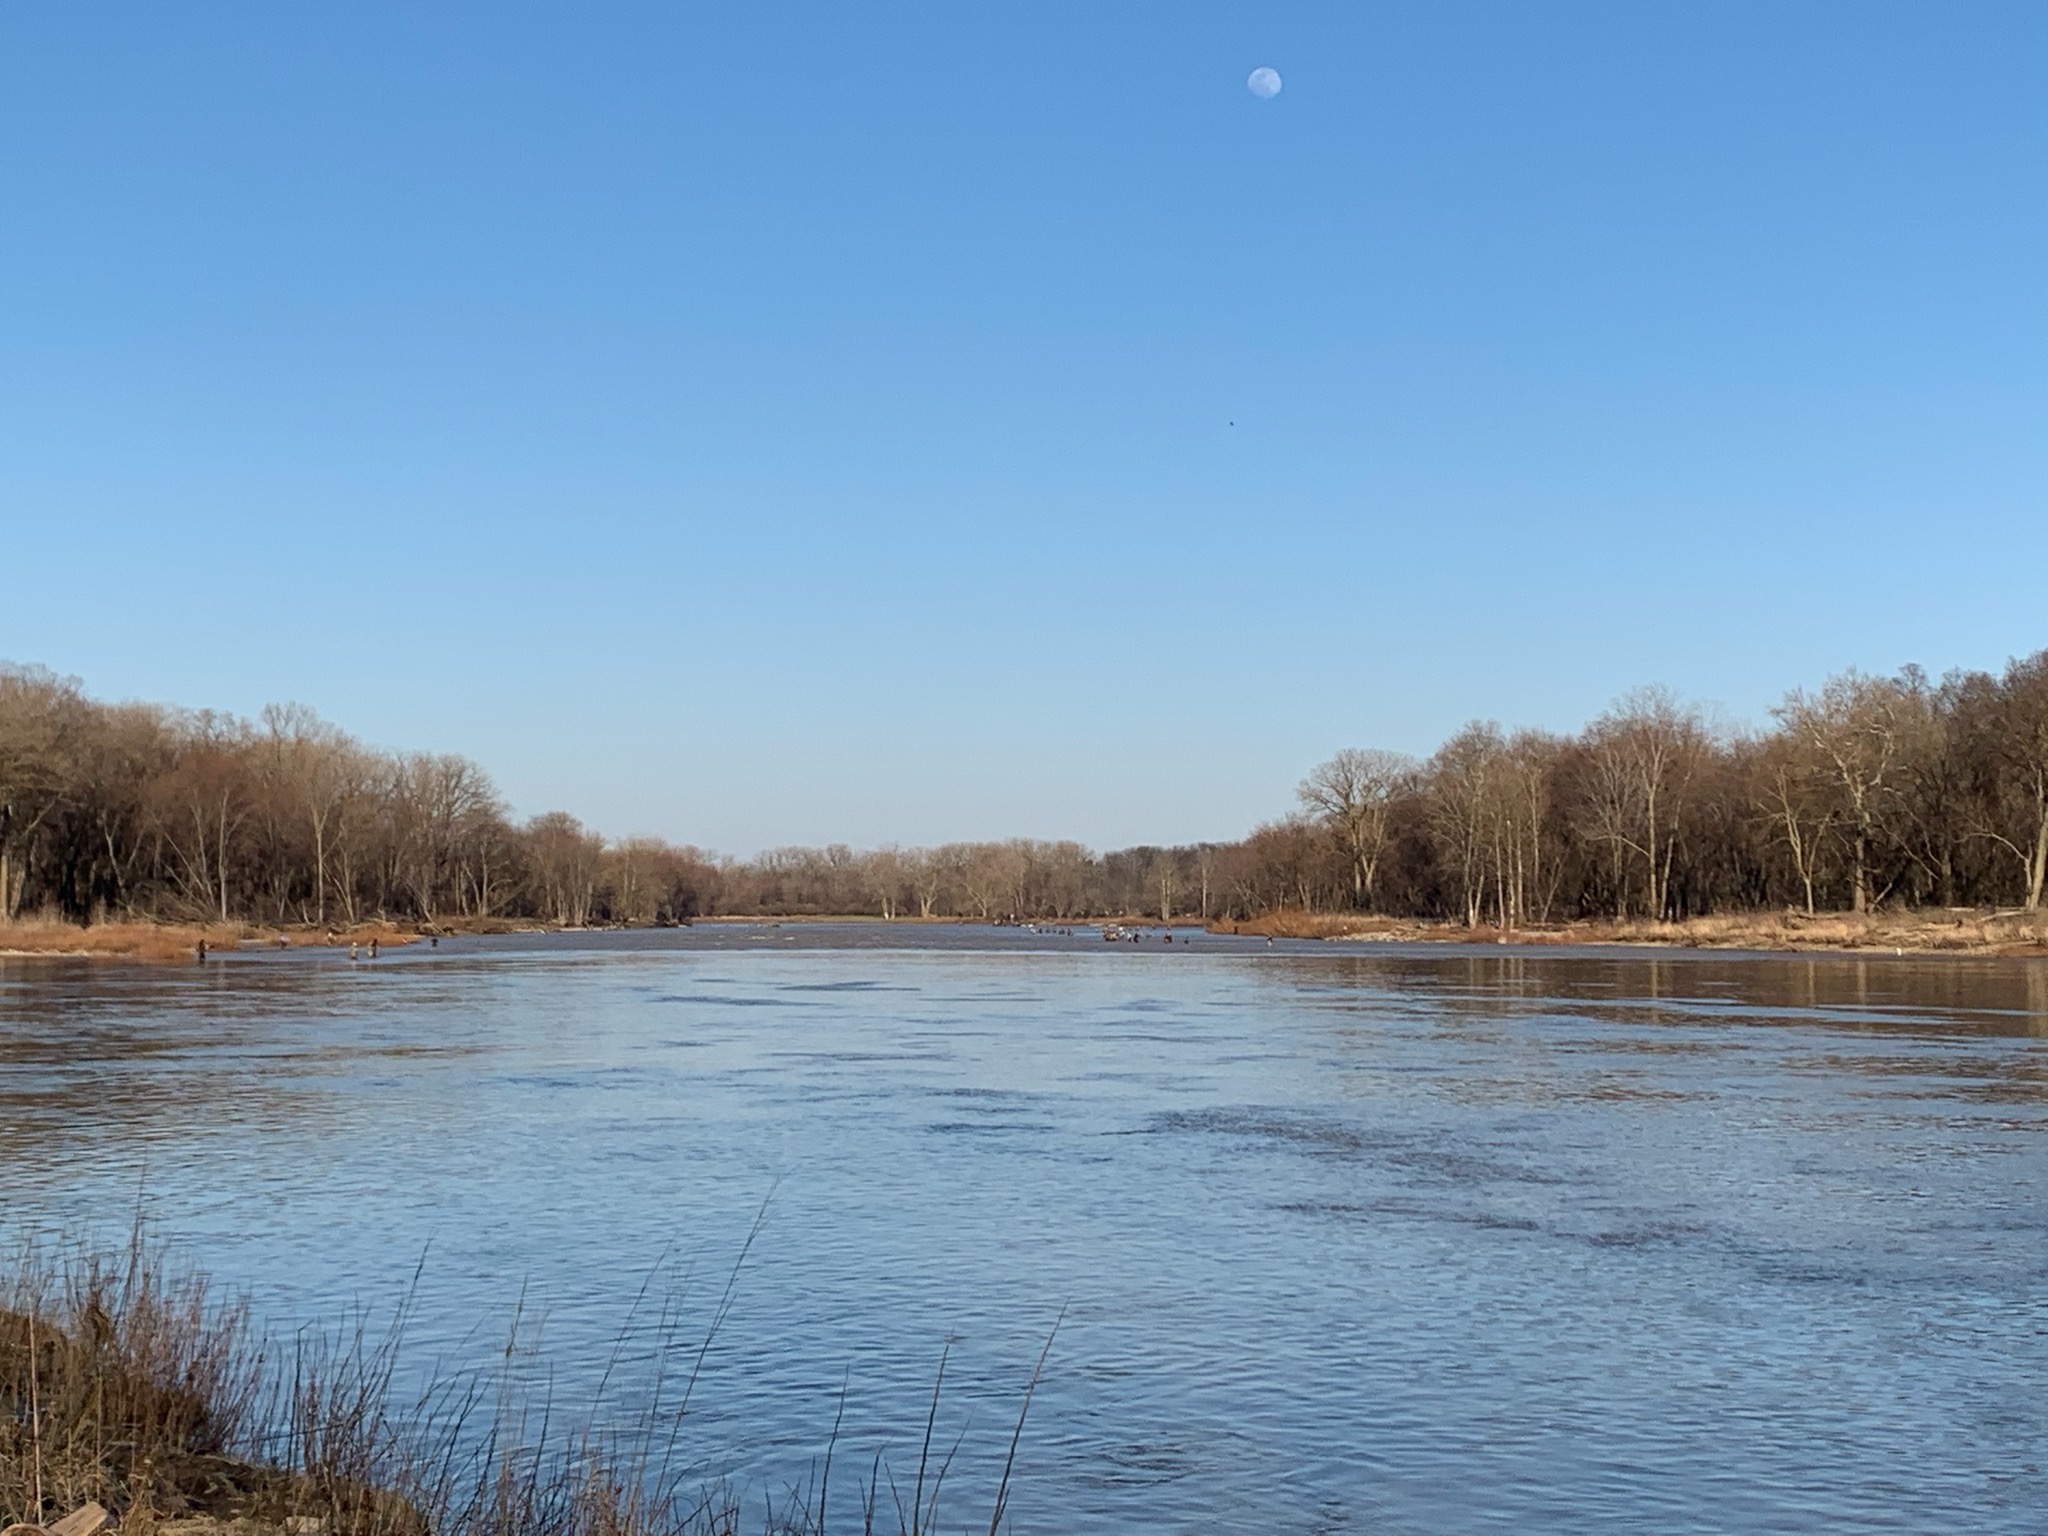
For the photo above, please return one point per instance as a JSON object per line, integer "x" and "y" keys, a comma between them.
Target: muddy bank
{"x": 180, "y": 941}
{"x": 146, "y": 939}
{"x": 1969, "y": 932}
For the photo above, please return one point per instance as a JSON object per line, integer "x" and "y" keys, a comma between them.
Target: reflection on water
{"x": 1410, "y": 1240}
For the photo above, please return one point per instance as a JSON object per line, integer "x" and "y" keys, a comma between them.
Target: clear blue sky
{"x": 776, "y": 422}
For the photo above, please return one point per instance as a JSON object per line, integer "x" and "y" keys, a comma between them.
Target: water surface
{"x": 1415, "y": 1240}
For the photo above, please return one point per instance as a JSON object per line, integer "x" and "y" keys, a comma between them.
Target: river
{"x": 1346, "y": 1237}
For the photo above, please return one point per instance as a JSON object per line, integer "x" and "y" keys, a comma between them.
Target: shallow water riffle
{"x": 1416, "y": 1239}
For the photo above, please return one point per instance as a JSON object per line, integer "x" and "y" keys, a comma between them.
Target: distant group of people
{"x": 1112, "y": 933}
{"x": 358, "y": 949}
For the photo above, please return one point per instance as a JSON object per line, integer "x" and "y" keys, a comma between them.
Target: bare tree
{"x": 1793, "y": 796}
{"x": 35, "y": 710}
{"x": 1464, "y": 788}
{"x": 1928, "y": 805}
{"x": 630, "y": 874}
{"x": 2019, "y": 789}
{"x": 1526, "y": 874}
{"x": 311, "y": 769}
{"x": 565, "y": 859}
{"x": 1353, "y": 793}
{"x": 1205, "y": 870}
{"x": 200, "y": 807}
{"x": 927, "y": 873}
{"x": 886, "y": 877}
{"x": 1854, "y": 724}
{"x": 990, "y": 875}
{"x": 120, "y": 750}
{"x": 1644, "y": 754}
{"x": 1283, "y": 863}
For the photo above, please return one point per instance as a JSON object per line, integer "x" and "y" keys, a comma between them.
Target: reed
{"x": 134, "y": 1383}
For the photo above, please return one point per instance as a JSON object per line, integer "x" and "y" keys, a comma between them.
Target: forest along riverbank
{"x": 1872, "y": 792}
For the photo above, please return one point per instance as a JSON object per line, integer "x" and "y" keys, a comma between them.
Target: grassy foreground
{"x": 1971, "y": 932}
{"x": 130, "y": 1384}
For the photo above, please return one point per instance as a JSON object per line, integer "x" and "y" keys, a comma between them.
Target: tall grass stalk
{"x": 128, "y": 1380}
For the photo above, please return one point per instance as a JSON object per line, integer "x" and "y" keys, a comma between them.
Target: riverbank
{"x": 1938, "y": 932}
{"x": 134, "y": 1397}
{"x": 147, "y": 939}
{"x": 181, "y": 941}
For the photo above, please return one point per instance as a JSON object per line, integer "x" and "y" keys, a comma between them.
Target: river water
{"x": 1346, "y": 1237}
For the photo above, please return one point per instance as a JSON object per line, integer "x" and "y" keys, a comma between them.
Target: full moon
{"x": 1264, "y": 83}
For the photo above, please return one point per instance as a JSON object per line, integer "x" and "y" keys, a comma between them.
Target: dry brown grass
{"x": 127, "y": 941}
{"x": 178, "y": 942}
{"x": 1920, "y": 932}
{"x": 127, "y": 1385}
{"x": 131, "y": 1384}
{"x": 1294, "y": 923}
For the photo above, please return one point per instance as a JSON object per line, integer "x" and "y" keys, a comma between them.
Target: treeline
{"x": 1872, "y": 790}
